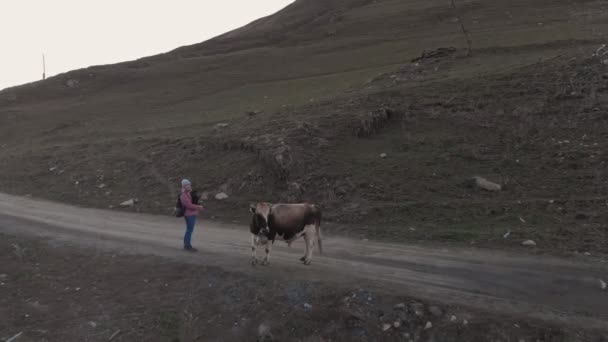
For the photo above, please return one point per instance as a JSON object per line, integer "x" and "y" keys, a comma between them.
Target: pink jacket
{"x": 191, "y": 209}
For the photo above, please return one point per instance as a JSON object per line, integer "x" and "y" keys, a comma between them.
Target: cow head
{"x": 259, "y": 220}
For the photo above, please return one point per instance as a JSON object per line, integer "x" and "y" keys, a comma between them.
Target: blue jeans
{"x": 190, "y": 222}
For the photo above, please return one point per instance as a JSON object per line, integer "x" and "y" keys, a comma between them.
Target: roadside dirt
{"x": 102, "y": 252}
{"x": 58, "y": 292}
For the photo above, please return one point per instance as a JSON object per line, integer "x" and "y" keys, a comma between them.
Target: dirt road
{"x": 558, "y": 290}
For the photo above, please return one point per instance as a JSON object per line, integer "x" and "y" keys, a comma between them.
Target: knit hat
{"x": 185, "y": 183}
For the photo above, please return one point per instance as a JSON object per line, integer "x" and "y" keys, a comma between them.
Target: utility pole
{"x": 43, "y": 68}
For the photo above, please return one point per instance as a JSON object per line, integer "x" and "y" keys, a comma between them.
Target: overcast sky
{"x": 79, "y": 33}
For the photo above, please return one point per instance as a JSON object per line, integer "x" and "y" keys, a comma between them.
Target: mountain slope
{"x": 308, "y": 99}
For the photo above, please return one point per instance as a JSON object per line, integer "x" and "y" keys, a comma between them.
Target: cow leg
{"x": 268, "y": 250}
{"x": 309, "y": 238}
{"x": 254, "y": 259}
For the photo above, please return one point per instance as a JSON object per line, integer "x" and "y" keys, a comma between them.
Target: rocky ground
{"x": 57, "y": 292}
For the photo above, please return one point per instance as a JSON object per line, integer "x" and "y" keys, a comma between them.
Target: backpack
{"x": 179, "y": 210}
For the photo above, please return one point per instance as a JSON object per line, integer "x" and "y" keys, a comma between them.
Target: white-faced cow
{"x": 288, "y": 222}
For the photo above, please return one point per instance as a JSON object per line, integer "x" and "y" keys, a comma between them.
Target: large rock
{"x": 221, "y": 196}
{"x": 128, "y": 203}
{"x": 485, "y": 184}
{"x": 264, "y": 333}
{"x": 529, "y": 243}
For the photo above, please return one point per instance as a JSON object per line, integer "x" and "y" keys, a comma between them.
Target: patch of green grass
{"x": 169, "y": 324}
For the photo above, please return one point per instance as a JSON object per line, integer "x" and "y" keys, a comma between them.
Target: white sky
{"x": 75, "y": 34}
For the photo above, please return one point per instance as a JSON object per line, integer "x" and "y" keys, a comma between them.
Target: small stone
{"x": 264, "y": 331}
{"x": 453, "y": 318}
{"x": 52, "y": 168}
{"x": 436, "y": 311}
{"x": 587, "y": 254}
{"x": 383, "y": 155}
{"x": 465, "y": 322}
{"x": 507, "y": 234}
{"x": 101, "y": 186}
{"x": 92, "y": 324}
{"x": 128, "y": 203}
{"x": 485, "y": 184}
{"x": 221, "y": 196}
{"x": 307, "y": 306}
{"x": 3, "y": 276}
{"x": 396, "y": 324}
{"x": 529, "y": 243}
{"x": 71, "y": 83}
{"x": 603, "y": 285}
{"x": 386, "y": 327}
{"x": 428, "y": 325}
{"x": 418, "y": 309}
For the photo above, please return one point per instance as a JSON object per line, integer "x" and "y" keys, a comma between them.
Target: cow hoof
{"x": 302, "y": 259}
{"x": 254, "y": 261}
{"x": 265, "y": 263}
{"x": 307, "y": 262}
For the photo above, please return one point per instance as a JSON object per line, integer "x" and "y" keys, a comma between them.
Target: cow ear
{"x": 252, "y": 208}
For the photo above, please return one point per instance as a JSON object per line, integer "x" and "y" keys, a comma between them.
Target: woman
{"x": 191, "y": 210}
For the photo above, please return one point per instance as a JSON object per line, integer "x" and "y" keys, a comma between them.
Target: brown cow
{"x": 287, "y": 221}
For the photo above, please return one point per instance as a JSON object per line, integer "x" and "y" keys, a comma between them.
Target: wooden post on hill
{"x": 43, "y": 68}
{"x": 464, "y": 30}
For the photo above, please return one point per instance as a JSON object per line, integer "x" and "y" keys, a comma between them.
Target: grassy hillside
{"x": 300, "y": 106}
